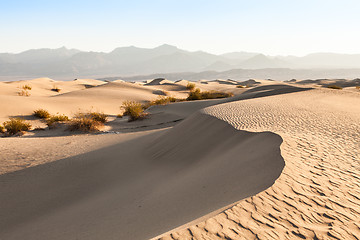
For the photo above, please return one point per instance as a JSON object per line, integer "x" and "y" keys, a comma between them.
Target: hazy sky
{"x": 285, "y": 27}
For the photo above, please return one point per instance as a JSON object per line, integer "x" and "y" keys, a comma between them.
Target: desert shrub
{"x": 2, "y": 129}
{"x": 56, "y": 118}
{"x": 357, "y": 87}
{"x": 161, "y": 100}
{"x": 85, "y": 123}
{"x": 334, "y": 87}
{"x": 97, "y": 116}
{"x": 41, "y": 113}
{"x": 194, "y": 95}
{"x": 26, "y": 87}
{"x": 198, "y": 95}
{"x": 16, "y": 125}
{"x": 55, "y": 89}
{"x": 190, "y": 86}
{"x": 134, "y": 110}
{"x": 24, "y": 93}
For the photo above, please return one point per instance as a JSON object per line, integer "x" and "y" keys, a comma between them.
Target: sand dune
{"x": 317, "y": 195}
{"x": 113, "y": 192}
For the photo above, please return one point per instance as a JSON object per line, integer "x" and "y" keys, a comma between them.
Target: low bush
{"x": 198, "y": 95}
{"x": 190, "y": 86}
{"x": 56, "y": 118}
{"x": 41, "y": 113}
{"x": 55, "y": 89}
{"x": 16, "y": 125}
{"x": 97, "y": 116}
{"x": 26, "y": 87}
{"x": 24, "y": 93}
{"x": 85, "y": 123}
{"x": 334, "y": 87}
{"x": 161, "y": 100}
{"x": 2, "y": 129}
{"x": 134, "y": 110}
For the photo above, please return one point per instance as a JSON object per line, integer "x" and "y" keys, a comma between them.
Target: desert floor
{"x": 276, "y": 161}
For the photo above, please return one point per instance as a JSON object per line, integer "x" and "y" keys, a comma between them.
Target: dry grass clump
{"x": 16, "y": 125}
{"x": 55, "y": 119}
{"x": 190, "y": 86}
{"x": 2, "y": 129}
{"x": 357, "y": 87}
{"x": 41, "y": 113}
{"x": 85, "y": 123}
{"x": 26, "y": 87}
{"x": 161, "y": 100}
{"x": 97, "y": 116}
{"x": 134, "y": 110}
{"x": 334, "y": 87}
{"x": 198, "y": 95}
{"x": 24, "y": 93}
{"x": 55, "y": 89}
{"x": 25, "y": 90}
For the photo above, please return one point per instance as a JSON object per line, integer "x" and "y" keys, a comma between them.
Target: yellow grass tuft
{"x": 97, "y": 116}
{"x": 190, "y": 86}
{"x": 134, "y": 110}
{"x": 26, "y": 87}
{"x": 55, "y": 119}
{"x": 41, "y": 113}
{"x": 24, "y": 93}
{"x": 162, "y": 100}
{"x": 85, "y": 123}
{"x": 16, "y": 125}
{"x": 198, "y": 95}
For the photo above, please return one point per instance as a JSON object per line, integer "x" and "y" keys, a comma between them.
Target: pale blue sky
{"x": 284, "y": 27}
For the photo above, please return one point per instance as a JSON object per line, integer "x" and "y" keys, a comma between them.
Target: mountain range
{"x": 129, "y": 61}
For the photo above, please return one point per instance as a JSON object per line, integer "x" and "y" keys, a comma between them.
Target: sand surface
{"x": 317, "y": 195}
{"x": 277, "y": 161}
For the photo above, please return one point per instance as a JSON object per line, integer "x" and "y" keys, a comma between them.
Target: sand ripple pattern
{"x": 318, "y": 194}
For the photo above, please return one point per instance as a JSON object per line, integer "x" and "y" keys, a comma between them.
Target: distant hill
{"x": 166, "y": 59}
{"x": 281, "y": 74}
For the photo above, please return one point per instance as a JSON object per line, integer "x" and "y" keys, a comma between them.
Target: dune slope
{"x": 140, "y": 188}
{"x": 317, "y": 194}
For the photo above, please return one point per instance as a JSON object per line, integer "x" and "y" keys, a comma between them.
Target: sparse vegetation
{"x": 357, "y": 87}
{"x": 16, "y": 125}
{"x": 161, "y": 100}
{"x": 190, "y": 86}
{"x": 41, "y": 113}
{"x": 334, "y": 87}
{"x": 134, "y": 110}
{"x": 56, "y": 118}
{"x": 26, "y": 87}
{"x": 198, "y": 95}
{"x": 55, "y": 89}
{"x": 85, "y": 123}
{"x": 2, "y": 129}
{"x": 24, "y": 93}
{"x": 97, "y": 116}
